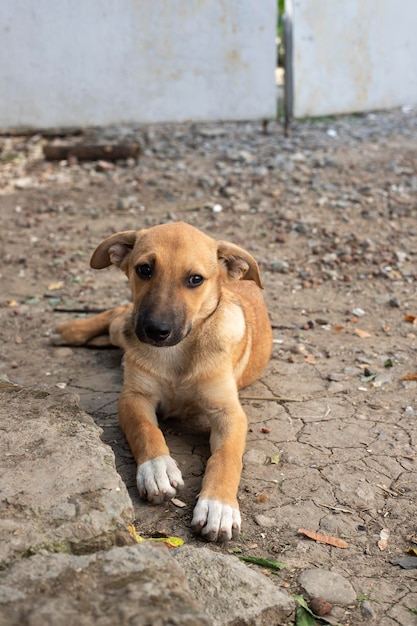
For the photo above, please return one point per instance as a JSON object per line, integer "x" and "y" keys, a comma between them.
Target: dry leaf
{"x": 412, "y": 319}
{"x": 179, "y": 503}
{"x": 412, "y": 376}
{"x": 363, "y": 334}
{"x": 55, "y": 286}
{"x": 310, "y": 358}
{"x": 383, "y": 539}
{"x": 320, "y": 537}
{"x": 135, "y": 534}
{"x": 171, "y": 542}
{"x": 338, "y": 329}
{"x": 263, "y": 497}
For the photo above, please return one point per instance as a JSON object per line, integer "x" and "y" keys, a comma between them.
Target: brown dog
{"x": 193, "y": 335}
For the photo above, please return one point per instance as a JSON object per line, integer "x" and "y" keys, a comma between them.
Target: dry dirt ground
{"x": 330, "y": 214}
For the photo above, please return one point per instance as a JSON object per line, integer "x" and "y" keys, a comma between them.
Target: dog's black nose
{"x": 157, "y": 331}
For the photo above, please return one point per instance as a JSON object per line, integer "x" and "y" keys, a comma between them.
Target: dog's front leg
{"x": 216, "y": 515}
{"x": 158, "y": 476}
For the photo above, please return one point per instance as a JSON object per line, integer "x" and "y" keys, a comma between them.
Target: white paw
{"x": 158, "y": 479}
{"x": 56, "y": 339}
{"x": 216, "y": 521}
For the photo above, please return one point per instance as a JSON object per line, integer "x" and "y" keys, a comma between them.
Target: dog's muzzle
{"x": 158, "y": 333}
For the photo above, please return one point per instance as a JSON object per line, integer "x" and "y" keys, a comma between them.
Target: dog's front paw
{"x": 216, "y": 521}
{"x": 158, "y": 479}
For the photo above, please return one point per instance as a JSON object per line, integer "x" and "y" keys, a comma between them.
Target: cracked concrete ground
{"x": 333, "y": 421}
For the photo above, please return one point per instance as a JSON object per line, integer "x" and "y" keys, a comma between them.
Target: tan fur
{"x": 220, "y": 340}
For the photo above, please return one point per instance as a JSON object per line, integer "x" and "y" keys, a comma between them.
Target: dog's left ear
{"x": 239, "y": 264}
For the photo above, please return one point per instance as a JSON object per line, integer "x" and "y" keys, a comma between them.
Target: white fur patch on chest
{"x": 233, "y": 323}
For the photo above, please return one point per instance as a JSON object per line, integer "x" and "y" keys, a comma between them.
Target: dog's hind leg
{"x": 92, "y": 331}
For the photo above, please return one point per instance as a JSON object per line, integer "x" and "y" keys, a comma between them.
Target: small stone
{"x": 24, "y": 182}
{"x": 331, "y": 257}
{"x": 320, "y": 607}
{"x": 337, "y": 377}
{"x": 63, "y": 353}
{"x": 265, "y": 522}
{"x": 217, "y": 131}
{"x": 126, "y": 203}
{"x": 217, "y": 208}
{"x": 400, "y": 255}
{"x": 280, "y": 266}
{"x": 367, "y": 610}
{"x": 357, "y": 312}
{"x": 394, "y": 302}
{"x": 241, "y": 207}
{"x": 331, "y": 586}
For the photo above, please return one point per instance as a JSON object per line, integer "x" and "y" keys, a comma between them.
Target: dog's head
{"x": 176, "y": 274}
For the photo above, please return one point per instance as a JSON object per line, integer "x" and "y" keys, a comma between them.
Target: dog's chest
{"x": 179, "y": 401}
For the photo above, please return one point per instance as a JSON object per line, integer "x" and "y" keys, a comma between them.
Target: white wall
{"x": 81, "y": 62}
{"x": 353, "y": 55}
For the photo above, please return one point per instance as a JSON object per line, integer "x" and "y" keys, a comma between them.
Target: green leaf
{"x": 268, "y": 563}
{"x": 304, "y": 618}
{"x": 367, "y": 379}
{"x": 275, "y": 459}
{"x": 301, "y": 601}
{"x": 388, "y": 363}
{"x": 54, "y": 301}
{"x": 303, "y": 604}
{"x": 33, "y": 300}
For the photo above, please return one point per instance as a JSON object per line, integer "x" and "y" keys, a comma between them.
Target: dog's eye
{"x": 195, "y": 280}
{"x": 144, "y": 271}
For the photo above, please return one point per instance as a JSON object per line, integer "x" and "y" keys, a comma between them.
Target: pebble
{"x": 24, "y": 183}
{"x": 280, "y": 266}
{"x": 394, "y": 302}
{"x": 367, "y": 610}
{"x": 265, "y": 522}
{"x": 331, "y": 586}
{"x": 126, "y": 203}
{"x": 63, "y": 353}
{"x": 337, "y": 378}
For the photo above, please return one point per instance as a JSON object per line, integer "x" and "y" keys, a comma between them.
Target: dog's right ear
{"x": 114, "y": 250}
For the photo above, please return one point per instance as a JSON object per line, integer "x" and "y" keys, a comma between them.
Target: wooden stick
{"x": 272, "y": 398}
{"x": 90, "y": 151}
{"x": 334, "y": 508}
